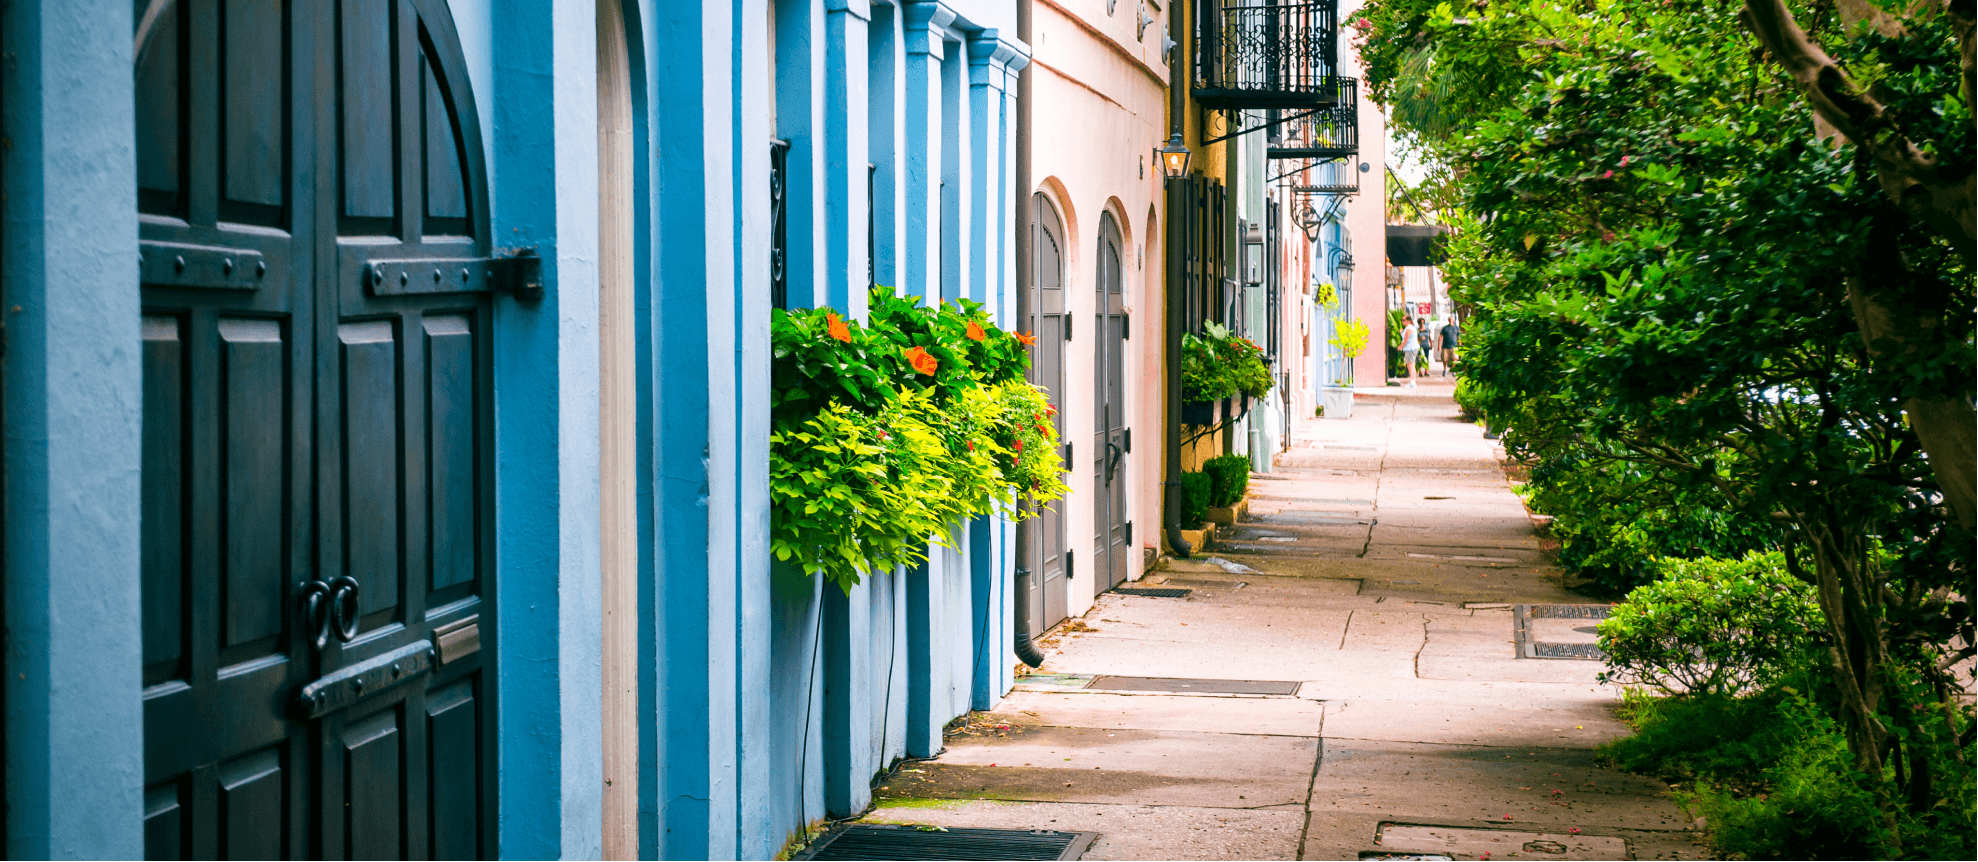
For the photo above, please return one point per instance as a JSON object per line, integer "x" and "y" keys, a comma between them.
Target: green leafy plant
{"x": 1218, "y": 364}
{"x": 1229, "y": 479}
{"x": 1325, "y": 296}
{"x": 884, "y": 435}
{"x": 1350, "y": 336}
{"x": 1712, "y": 627}
{"x": 1194, "y": 498}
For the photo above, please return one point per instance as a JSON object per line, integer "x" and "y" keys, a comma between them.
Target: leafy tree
{"x": 1671, "y": 273}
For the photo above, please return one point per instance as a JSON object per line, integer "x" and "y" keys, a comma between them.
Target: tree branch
{"x": 1929, "y": 192}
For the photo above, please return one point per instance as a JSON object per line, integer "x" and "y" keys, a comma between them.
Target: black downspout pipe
{"x": 1020, "y": 208}
{"x": 1176, "y": 302}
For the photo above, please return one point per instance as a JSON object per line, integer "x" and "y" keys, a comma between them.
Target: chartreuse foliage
{"x": 1659, "y": 254}
{"x": 885, "y": 435}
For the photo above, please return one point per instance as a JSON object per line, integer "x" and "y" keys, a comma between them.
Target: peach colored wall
{"x": 1366, "y": 217}
{"x": 1099, "y": 112}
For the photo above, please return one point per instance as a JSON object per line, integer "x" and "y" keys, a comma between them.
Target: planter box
{"x": 1199, "y": 540}
{"x": 1228, "y": 516}
{"x": 1198, "y": 412}
{"x": 1338, "y": 401}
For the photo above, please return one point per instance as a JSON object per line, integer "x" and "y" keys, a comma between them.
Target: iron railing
{"x": 1322, "y": 133}
{"x": 1268, "y": 55}
{"x": 1333, "y": 177}
{"x": 779, "y": 278}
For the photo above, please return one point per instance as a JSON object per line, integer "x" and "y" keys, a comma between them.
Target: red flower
{"x": 921, "y": 362}
{"x": 837, "y": 327}
{"x": 975, "y": 332}
{"x": 1025, "y": 337}
{"x": 1019, "y": 445}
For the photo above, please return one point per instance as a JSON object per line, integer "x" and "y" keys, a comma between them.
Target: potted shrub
{"x": 1350, "y": 336}
{"x": 1229, "y": 487}
{"x": 1220, "y": 373}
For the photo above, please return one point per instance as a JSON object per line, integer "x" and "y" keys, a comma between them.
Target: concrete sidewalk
{"x": 1378, "y": 572}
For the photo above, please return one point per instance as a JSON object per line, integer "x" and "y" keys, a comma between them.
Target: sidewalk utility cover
{"x": 1559, "y": 631}
{"x": 880, "y": 841}
{"x": 1192, "y": 686}
{"x": 1498, "y": 843}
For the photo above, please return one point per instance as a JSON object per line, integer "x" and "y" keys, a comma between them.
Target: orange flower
{"x": 921, "y": 362}
{"x": 837, "y": 327}
{"x": 975, "y": 332}
{"x": 1025, "y": 337}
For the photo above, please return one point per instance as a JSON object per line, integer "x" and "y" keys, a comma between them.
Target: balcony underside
{"x": 1244, "y": 99}
{"x": 1311, "y": 152}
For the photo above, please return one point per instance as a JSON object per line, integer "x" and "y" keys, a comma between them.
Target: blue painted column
{"x": 925, "y": 110}
{"x": 920, "y": 244}
{"x": 957, "y": 167}
{"x": 546, "y": 377}
{"x": 988, "y": 75}
{"x": 74, "y": 712}
{"x": 707, "y": 595}
{"x": 846, "y": 155}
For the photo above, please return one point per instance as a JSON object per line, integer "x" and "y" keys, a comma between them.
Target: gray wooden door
{"x": 1112, "y": 538}
{"x": 1050, "y": 590}
{"x": 317, "y": 542}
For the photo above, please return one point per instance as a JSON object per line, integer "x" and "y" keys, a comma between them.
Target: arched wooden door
{"x": 318, "y": 548}
{"x": 1050, "y": 590}
{"x": 1113, "y": 535}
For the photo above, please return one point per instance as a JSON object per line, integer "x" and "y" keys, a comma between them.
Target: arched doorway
{"x": 1112, "y": 538}
{"x": 318, "y": 536}
{"x": 1050, "y": 590}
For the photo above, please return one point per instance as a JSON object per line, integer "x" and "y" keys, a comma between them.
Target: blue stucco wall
{"x": 74, "y": 713}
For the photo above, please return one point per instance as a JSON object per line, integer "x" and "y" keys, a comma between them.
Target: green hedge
{"x": 1194, "y": 499}
{"x": 1229, "y": 479}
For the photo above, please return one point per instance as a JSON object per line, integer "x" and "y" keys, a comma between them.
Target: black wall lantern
{"x": 1174, "y": 157}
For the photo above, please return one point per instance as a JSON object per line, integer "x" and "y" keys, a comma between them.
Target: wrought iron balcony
{"x": 1322, "y": 133}
{"x": 1335, "y": 177}
{"x": 1268, "y": 55}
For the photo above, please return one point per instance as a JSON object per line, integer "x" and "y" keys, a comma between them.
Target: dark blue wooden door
{"x": 318, "y": 551}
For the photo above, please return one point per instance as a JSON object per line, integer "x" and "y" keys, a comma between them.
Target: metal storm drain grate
{"x": 1192, "y": 686}
{"x": 1156, "y": 592}
{"x": 1469, "y": 843}
{"x": 1559, "y": 631}
{"x": 880, "y": 841}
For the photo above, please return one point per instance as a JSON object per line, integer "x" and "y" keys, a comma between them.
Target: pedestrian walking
{"x": 1411, "y": 346}
{"x": 1451, "y": 334}
{"x": 1425, "y": 339}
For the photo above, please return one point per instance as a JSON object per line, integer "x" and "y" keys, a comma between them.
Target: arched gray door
{"x": 318, "y": 548}
{"x": 1050, "y": 589}
{"x": 1113, "y": 540}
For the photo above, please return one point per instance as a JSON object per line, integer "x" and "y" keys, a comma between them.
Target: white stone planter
{"x": 1338, "y": 401}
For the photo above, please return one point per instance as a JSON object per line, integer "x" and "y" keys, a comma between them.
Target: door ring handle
{"x": 315, "y": 613}
{"x": 344, "y": 590}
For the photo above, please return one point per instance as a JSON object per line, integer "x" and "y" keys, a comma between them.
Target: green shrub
{"x": 1613, "y": 518}
{"x": 1194, "y": 499}
{"x": 1712, "y": 627}
{"x": 1467, "y": 399}
{"x": 1229, "y": 479}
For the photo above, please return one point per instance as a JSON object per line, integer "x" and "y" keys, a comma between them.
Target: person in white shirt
{"x": 1410, "y": 348}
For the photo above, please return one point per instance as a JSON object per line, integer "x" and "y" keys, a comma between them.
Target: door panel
{"x": 1110, "y": 557}
{"x": 301, "y": 431}
{"x": 1050, "y": 589}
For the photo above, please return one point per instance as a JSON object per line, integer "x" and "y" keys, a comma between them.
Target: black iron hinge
{"x": 1129, "y": 534}
{"x": 1126, "y": 327}
{"x": 1068, "y": 461}
{"x": 1069, "y": 568}
{"x": 1068, "y": 320}
{"x": 1129, "y": 440}
{"x": 519, "y": 273}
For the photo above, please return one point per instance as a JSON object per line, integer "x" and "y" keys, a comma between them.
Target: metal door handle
{"x": 1113, "y": 453}
{"x": 315, "y": 596}
{"x": 344, "y": 590}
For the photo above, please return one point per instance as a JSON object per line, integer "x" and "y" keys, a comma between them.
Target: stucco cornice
{"x": 1158, "y": 76}
{"x": 927, "y": 27}
{"x": 860, "y": 8}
